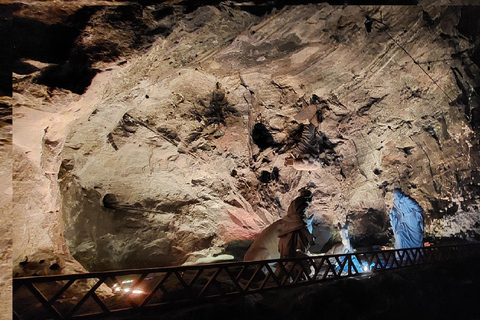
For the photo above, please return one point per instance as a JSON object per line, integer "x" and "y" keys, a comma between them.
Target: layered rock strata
{"x": 177, "y": 152}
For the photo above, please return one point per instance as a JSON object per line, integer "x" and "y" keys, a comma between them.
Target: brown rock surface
{"x": 185, "y": 134}
{"x": 6, "y": 207}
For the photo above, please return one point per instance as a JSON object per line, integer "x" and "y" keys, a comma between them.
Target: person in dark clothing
{"x": 295, "y": 236}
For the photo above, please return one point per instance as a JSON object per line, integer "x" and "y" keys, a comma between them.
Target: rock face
{"x": 6, "y": 207}
{"x": 178, "y": 153}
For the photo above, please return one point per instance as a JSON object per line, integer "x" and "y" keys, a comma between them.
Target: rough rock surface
{"x": 6, "y": 206}
{"x": 170, "y": 155}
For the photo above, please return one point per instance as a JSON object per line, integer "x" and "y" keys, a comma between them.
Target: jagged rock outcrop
{"x": 180, "y": 151}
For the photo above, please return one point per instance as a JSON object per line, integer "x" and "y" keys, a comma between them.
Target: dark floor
{"x": 443, "y": 291}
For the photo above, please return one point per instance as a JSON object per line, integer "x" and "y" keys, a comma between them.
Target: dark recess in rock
{"x": 469, "y": 24}
{"x": 257, "y": 10}
{"x": 54, "y": 266}
{"x": 441, "y": 208}
{"x": 23, "y": 68}
{"x": 79, "y": 19}
{"x": 316, "y": 100}
{"x": 67, "y": 165}
{"x": 24, "y": 262}
{"x": 42, "y": 42}
{"x": 75, "y": 75}
{"x": 475, "y": 112}
{"x": 265, "y": 177}
{"x": 275, "y": 174}
{"x": 109, "y": 201}
{"x": 364, "y": 109}
{"x": 368, "y": 241}
{"x": 453, "y": 209}
{"x": 262, "y": 137}
{"x": 373, "y": 223}
{"x": 64, "y": 43}
{"x": 159, "y": 12}
{"x": 407, "y": 150}
{"x": 368, "y": 24}
{"x": 475, "y": 54}
{"x": 238, "y": 248}
{"x": 169, "y": 133}
{"x": 6, "y": 50}
{"x": 426, "y": 17}
{"x": 162, "y": 30}
{"x": 54, "y": 44}
{"x": 328, "y": 245}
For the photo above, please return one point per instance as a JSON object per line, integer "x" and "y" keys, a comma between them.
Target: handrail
{"x": 99, "y": 294}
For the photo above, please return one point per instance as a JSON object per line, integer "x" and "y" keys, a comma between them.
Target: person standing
{"x": 295, "y": 236}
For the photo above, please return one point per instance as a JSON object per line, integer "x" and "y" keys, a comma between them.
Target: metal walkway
{"x": 101, "y": 294}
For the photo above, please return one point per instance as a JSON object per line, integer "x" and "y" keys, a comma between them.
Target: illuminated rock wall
{"x": 186, "y": 134}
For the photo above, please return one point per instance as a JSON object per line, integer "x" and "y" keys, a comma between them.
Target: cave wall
{"x": 184, "y": 132}
{"x": 6, "y": 206}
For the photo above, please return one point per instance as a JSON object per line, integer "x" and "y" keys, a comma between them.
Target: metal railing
{"x": 102, "y": 294}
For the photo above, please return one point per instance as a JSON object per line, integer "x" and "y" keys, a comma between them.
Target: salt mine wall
{"x": 156, "y": 135}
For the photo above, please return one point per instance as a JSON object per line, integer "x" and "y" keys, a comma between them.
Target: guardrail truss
{"x": 105, "y": 293}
